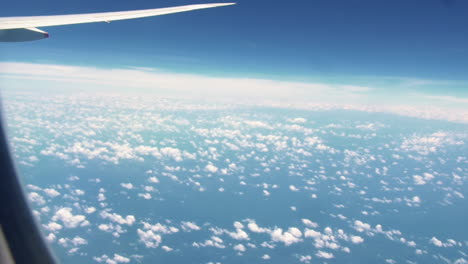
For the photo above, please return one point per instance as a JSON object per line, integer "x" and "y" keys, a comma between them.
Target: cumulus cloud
{"x": 293, "y": 235}
{"x": 115, "y": 260}
{"x": 361, "y": 226}
{"x": 173, "y": 153}
{"x": 213, "y": 242}
{"x": 36, "y": 198}
{"x": 146, "y": 196}
{"x": 128, "y": 186}
{"x": 211, "y": 168}
{"x": 150, "y": 239}
{"x": 51, "y": 192}
{"x": 357, "y": 239}
{"x": 324, "y": 255}
{"x": 189, "y": 226}
{"x": 65, "y": 215}
{"x": 127, "y": 220}
{"x": 153, "y": 179}
{"x": 309, "y": 223}
{"x": 293, "y": 188}
{"x": 90, "y": 210}
{"x": 53, "y": 226}
{"x": 167, "y": 249}
{"x": 252, "y": 225}
{"x": 239, "y": 247}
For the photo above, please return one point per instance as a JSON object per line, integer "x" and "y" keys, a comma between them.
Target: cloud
{"x": 252, "y": 225}
{"x": 145, "y": 196}
{"x": 36, "y": 198}
{"x": 53, "y": 226}
{"x": 150, "y": 239}
{"x": 293, "y": 188}
{"x": 325, "y": 255}
{"x": 303, "y": 95}
{"x": 239, "y": 247}
{"x": 447, "y": 99}
{"x": 361, "y": 226}
{"x": 293, "y": 235}
{"x": 239, "y": 234}
{"x": 115, "y": 260}
{"x": 90, "y": 210}
{"x": 297, "y": 120}
{"x": 357, "y": 239}
{"x": 66, "y": 216}
{"x": 211, "y": 168}
{"x": 76, "y": 241}
{"x": 309, "y": 223}
{"x": 167, "y": 249}
{"x": 153, "y": 179}
{"x": 419, "y": 180}
{"x": 213, "y": 242}
{"x": 128, "y": 186}
{"x": 189, "y": 226}
{"x": 51, "y": 192}
{"x": 128, "y": 220}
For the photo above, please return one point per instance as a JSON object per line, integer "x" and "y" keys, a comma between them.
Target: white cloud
{"x": 213, "y": 242}
{"x": 252, "y": 225}
{"x": 115, "y": 260}
{"x": 121, "y": 259}
{"x": 239, "y": 234}
{"x": 357, "y": 239}
{"x": 172, "y": 153}
{"x": 211, "y": 168}
{"x": 101, "y": 197}
{"x": 305, "y": 259}
{"x": 90, "y": 210}
{"x": 189, "y": 226}
{"x": 361, "y": 226}
{"x": 51, "y": 192}
{"x": 436, "y": 242}
{"x": 153, "y": 179}
{"x": 238, "y": 225}
{"x": 309, "y": 223}
{"x": 312, "y": 233}
{"x": 145, "y": 196}
{"x": 128, "y": 220}
{"x": 50, "y": 238}
{"x": 325, "y": 255}
{"x": 239, "y": 247}
{"x": 419, "y": 180}
{"x": 150, "y": 239}
{"x": 298, "y": 120}
{"x": 53, "y": 226}
{"x": 128, "y": 186}
{"x": 68, "y": 219}
{"x": 304, "y": 95}
{"x": 293, "y": 188}
{"x": 36, "y": 198}
{"x": 160, "y": 228}
{"x": 287, "y": 237}
{"x": 167, "y": 249}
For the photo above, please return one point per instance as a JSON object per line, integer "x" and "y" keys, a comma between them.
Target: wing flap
{"x": 22, "y": 34}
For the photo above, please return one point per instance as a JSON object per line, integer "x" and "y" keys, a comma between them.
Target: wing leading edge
{"x": 25, "y": 28}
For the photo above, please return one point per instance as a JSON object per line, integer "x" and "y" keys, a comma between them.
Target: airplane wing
{"x": 15, "y": 29}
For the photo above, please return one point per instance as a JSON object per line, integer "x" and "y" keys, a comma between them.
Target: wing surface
{"x": 58, "y": 20}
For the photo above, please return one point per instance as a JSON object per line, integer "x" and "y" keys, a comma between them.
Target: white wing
{"x": 24, "y": 27}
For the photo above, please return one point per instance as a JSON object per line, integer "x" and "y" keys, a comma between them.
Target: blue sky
{"x": 367, "y": 42}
